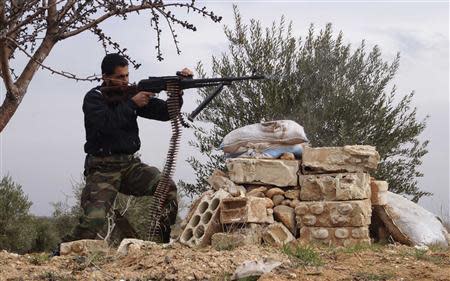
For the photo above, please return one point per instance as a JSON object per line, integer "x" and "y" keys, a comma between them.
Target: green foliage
{"x": 304, "y": 255}
{"x": 46, "y": 235}
{"x": 15, "y": 232}
{"x": 341, "y": 96}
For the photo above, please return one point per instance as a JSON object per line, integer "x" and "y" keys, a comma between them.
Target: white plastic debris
{"x": 254, "y": 268}
{"x": 418, "y": 225}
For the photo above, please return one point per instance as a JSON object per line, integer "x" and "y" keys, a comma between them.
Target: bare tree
{"x": 33, "y": 27}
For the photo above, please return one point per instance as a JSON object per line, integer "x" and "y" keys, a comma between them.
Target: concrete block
{"x": 334, "y": 213}
{"x": 234, "y": 210}
{"x": 83, "y": 247}
{"x": 263, "y": 171}
{"x": 379, "y": 192}
{"x": 205, "y": 220}
{"x": 277, "y": 234}
{"x": 335, "y": 236}
{"x": 350, "y": 158}
{"x": 245, "y": 210}
{"x": 334, "y": 187}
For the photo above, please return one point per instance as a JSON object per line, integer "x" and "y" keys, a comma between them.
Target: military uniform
{"x": 112, "y": 139}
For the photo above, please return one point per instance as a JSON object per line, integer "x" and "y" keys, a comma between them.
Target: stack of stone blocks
{"x": 324, "y": 198}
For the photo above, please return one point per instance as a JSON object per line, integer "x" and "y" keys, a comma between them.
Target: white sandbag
{"x": 280, "y": 131}
{"x": 420, "y": 226}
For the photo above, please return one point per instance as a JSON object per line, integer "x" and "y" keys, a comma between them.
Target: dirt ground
{"x": 177, "y": 262}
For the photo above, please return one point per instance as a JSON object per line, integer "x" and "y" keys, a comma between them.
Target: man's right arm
{"x": 104, "y": 117}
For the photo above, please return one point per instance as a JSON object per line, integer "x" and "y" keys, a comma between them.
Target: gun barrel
{"x": 207, "y": 82}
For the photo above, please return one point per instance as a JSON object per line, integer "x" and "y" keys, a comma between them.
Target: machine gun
{"x": 173, "y": 85}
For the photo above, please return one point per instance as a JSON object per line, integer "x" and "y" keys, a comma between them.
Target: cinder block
{"x": 277, "y": 234}
{"x": 263, "y": 171}
{"x": 334, "y": 213}
{"x": 379, "y": 192}
{"x": 205, "y": 220}
{"x": 234, "y": 210}
{"x": 335, "y": 236}
{"x": 245, "y": 210}
{"x": 334, "y": 187}
{"x": 350, "y": 158}
{"x": 83, "y": 247}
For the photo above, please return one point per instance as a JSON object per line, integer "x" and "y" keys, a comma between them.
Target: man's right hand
{"x": 141, "y": 99}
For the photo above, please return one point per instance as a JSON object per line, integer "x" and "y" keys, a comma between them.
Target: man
{"x": 112, "y": 139}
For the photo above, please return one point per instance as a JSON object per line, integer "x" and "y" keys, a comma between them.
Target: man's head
{"x": 115, "y": 70}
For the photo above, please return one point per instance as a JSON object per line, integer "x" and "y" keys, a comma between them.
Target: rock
{"x": 236, "y": 190}
{"x": 277, "y": 199}
{"x": 83, "y": 247}
{"x": 254, "y": 268}
{"x": 277, "y": 234}
{"x": 249, "y": 235}
{"x": 286, "y": 215}
{"x": 255, "y": 194}
{"x": 274, "y": 191}
{"x": 350, "y": 158}
{"x": 334, "y": 187}
{"x": 219, "y": 180}
{"x": 334, "y": 213}
{"x": 132, "y": 245}
{"x": 205, "y": 221}
{"x": 286, "y": 202}
{"x": 269, "y": 203}
{"x": 266, "y": 171}
{"x": 262, "y": 189}
{"x": 295, "y": 203}
{"x": 287, "y": 156}
{"x": 335, "y": 236}
{"x": 256, "y": 210}
{"x": 379, "y": 192}
{"x": 292, "y": 194}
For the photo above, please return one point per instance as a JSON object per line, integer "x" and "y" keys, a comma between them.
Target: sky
{"x": 42, "y": 146}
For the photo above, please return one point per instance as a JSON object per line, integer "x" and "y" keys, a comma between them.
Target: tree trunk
{"x": 8, "y": 108}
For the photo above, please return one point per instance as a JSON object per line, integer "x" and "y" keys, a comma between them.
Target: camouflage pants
{"x": 105, "y": 177}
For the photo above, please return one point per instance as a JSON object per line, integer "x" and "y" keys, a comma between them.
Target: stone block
{"x": 263, "y": 171}
{"x": 205, "y": 221}
{"x": 334, "y": 187}
{"x": 335, "y": 236}
{"x": 350, "y": 158}
{"x": 379, "y": 192}
{"x": 286, "y": 215}
{"x": 334, "y": 213}
{"x": 83, "y": 247}
{"x": 257, "y": 211}
{"x": 277, "y": 234}
{"x": 245, "y": 210}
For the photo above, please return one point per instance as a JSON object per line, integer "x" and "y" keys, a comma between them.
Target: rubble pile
{"x": 326, "y": 197}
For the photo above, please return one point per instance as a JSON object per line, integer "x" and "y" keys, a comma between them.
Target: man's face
{"x": 118, "y": 78}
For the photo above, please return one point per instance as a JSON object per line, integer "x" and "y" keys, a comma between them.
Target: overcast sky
{"x": 42, "y": 146}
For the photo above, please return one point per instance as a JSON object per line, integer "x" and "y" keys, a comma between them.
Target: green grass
{"x": 367, "y": 276}
{"x": 361, "y": 247}
{"x": 303, "y": 255}
{"x": 425, "y": 256}
{"x": 39, "y": 258}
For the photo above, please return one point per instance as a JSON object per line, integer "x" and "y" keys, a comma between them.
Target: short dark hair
{"x": 111, "y": 61}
